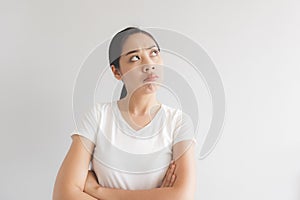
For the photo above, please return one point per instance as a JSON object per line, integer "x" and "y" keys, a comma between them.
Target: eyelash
{"x": 156, "y": 51}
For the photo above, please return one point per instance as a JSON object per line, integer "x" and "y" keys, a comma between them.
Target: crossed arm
{"x": 75, "y": 182}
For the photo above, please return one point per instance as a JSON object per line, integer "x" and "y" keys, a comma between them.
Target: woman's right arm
{"x": 72, "y": 174}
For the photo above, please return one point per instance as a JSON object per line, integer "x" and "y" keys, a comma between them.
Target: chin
{"x": 151, "y": 88}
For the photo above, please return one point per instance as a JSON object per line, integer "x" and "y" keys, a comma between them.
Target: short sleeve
{"x": 88, "y": 126}
{"x": 184, "y": 129}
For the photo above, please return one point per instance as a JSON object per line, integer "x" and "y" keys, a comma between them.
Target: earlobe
{"x": 116, "y": 72}
{"x": 119, "y": 75}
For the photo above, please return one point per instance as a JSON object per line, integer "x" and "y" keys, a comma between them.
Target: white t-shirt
{"x": 128, "y": 159}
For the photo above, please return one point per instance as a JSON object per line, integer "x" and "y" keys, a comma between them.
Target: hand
{"x": 170, "y": 177}
{"x": 91, "y": 183}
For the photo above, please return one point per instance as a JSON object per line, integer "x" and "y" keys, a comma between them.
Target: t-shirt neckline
{"x": 121, "y": 119}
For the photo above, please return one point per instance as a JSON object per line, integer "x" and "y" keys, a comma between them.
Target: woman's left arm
{"x": 184, "y": 187}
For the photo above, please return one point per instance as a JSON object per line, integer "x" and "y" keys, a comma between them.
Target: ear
{"x": 116, "y": 72}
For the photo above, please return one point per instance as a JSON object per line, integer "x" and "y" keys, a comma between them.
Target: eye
{"x": 154, "y": 52}
{"x": 134, "y": 58}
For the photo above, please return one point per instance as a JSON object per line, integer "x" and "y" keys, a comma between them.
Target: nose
{"x": 149, "y": 68}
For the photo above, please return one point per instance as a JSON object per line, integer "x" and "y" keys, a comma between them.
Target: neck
{"x": 140, "y": 104}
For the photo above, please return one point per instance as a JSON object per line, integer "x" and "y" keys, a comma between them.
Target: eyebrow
{"x": 133, "y": 51}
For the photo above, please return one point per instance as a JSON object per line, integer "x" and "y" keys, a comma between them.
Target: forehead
{"x": 137, "y": 41}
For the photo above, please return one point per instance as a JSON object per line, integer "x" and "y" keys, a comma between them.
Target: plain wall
{"x": 254, "y": 44}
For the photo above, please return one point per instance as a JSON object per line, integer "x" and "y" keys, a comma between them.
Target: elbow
{"x": 59, "y": 194}
{"x": 65, "y": 192}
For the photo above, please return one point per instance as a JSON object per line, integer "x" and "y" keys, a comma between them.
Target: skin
{"x": 74, "y": 180}
{"x": 140, "y": 105}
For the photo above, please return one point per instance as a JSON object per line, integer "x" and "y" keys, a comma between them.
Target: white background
{"x": 254, "y": 44}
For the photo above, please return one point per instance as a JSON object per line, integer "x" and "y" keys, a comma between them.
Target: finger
{"x": 170, "y": 173}
{"x": 173, "y": 180}
{"x": 173, "y": 167}
{"x": 169, "y": 176}
{"x": 170, "y": 170}
{"x": 164, "y": 180}
{"x": 164, "y": 183}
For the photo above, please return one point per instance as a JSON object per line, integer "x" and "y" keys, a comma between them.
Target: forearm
{"x": 80, "y": 196}
{"x": 71, "y": 194}
{"x": 167, "y": 193}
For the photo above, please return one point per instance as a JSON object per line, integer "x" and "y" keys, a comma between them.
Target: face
{"x": 140, "y": 64}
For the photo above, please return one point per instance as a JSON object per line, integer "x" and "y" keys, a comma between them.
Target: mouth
{"x": 151, "y": 78}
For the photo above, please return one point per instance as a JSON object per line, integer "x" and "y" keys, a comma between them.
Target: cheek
{"x": 134, "y": 78}
{"x": 158, "y": 60}
{"x": 133, "y": 74}
{"x": 128, "y": 70}
{"x": 127, "y": 66}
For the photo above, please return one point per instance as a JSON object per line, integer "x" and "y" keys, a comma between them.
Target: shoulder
{"x": 105, "y": 110}
{"x": 95, "y": 112}
{"x": 102, "y": 106}
{"x": 181, "y": 124}
{"x": 176, "y": 114}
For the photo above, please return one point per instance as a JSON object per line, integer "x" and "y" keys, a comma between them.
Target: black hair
{"x": 117, "y": 42}
{"x": 116, "y": 46}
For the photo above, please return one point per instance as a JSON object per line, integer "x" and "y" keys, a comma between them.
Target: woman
{"x": 132, "y": 141}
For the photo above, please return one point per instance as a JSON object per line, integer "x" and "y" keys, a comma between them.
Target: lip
{"x": 151, "y": 78}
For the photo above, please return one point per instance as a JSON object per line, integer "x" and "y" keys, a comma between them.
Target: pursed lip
{"x": 151, "y": 78}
